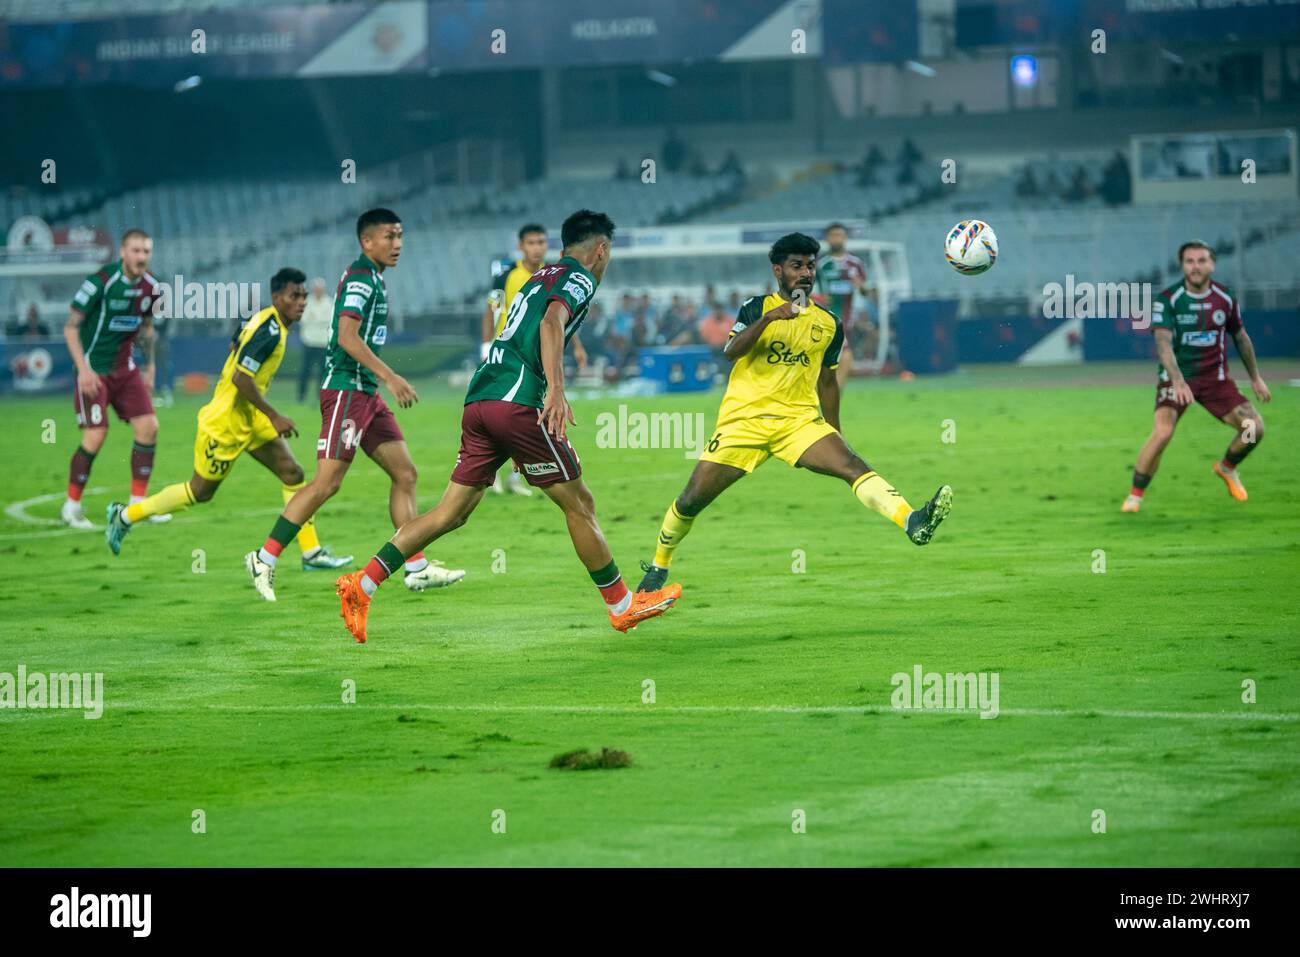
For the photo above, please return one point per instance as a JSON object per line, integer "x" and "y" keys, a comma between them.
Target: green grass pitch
{"x": 1119, "y": 691}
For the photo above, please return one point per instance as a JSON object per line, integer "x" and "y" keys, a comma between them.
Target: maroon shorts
{"x": 350, "y": 419}
{"x": 123, "y": 389}
{"x": 492, "y": 431}
{"x": 1219, "y": 396}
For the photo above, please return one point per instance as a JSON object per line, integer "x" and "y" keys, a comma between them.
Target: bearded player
{"x": 241, "y": 419}
{"x": 353, "y": 414}
{"x": 1191, "y": 321}
{"x": 107, "y": 313}
{"x": 839, "y": 276}
{"x": 783, "y": 400}
{"x": 516, "y": 408}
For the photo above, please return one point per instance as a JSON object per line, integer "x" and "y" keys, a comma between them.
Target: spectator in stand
{"x": 673, "y": 152}
{"x": 314, "y": 334}
{"x": 623, "y": 316}
{"x": 1027, "y": 184}
{"x": 30, "y": 327}
{"x": 623, "y": 171}
{"x": 1080, "y": 187}
{"x": 731, "y": 166}
{"x": 677, "y": 324}
{"x": 715, "y": 327}
{"x": 1116, "y": 181}
{"x": 1052, "y": 186}
{"x": 909, "y": 154}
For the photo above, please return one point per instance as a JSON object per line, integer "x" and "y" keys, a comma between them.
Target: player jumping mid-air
{"x": 353, "y": 415}
{"x": 240, "y": 419}
{"x": 1191, "y": 321}
{"x": 109, "y": 310}
{"x": 515, "y": 408}
{"x": 783, "y": 400}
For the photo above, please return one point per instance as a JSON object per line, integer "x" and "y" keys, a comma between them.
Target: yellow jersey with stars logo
{"x": 777, "y": 377}
{"x": 256, "y": 350}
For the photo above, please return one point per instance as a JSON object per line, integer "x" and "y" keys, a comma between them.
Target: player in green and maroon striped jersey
{"x": 839, "y": 275}
{"x": 516, "y": 408}
{"x": 110, "y": 309}
{"x": 1191, "y": 322}
{"x": 353, "y": 414}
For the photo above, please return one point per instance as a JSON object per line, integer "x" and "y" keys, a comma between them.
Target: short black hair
{"x": 1194, "y": 244}
{"x": 287, "y": 276}
{"x": 793, "y": 244}
{"x": 584, "y": 224}
{"x": 528, "y": 229}
{"x": 836, "y": 226}
{"x": 375, "y": 217}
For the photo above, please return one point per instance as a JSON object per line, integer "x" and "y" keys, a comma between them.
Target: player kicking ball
{"x": 515, "y": 408}
{"x": 353, "y": 415}
{"x": 783, "y": 400}
{"x": 239, "y": 419}
{"x": 1191, "y": 321}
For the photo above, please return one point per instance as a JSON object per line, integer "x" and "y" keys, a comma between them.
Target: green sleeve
{"x": 573, "y": 289}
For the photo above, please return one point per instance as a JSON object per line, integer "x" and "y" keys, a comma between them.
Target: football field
{"x": 758, "y": 715}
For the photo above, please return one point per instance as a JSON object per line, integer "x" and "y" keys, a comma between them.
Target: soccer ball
{"x": 971, "y": 247}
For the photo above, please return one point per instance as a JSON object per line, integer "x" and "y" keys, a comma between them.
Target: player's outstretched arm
{"x": 828, "y": 394}
{"x": 1246, "y": 349}
{"x": 249, "y": 391}
{"x": 354, "y": 346}
{"x": 1165, "y": 350}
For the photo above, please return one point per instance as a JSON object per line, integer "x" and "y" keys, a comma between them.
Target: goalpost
{"x": 667, "y": 261}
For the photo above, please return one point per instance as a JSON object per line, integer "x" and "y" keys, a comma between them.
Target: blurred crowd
{"x": 616, "y": 333}
{"x": 1115, "y": 187}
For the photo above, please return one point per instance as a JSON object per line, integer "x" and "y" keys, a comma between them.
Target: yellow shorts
{"x": 748, "y": 443}
{"x": 215, "y": 452}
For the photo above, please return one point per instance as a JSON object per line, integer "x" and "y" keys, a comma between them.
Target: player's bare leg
{"x": 1250, "y": 430}
{"x": 144, "y": 431}
{"x": 626, "y": 610}
{"x": 278, "y": 458}
{"x": 92, "y": 440}
{"x": 1148, "y": 460}
{"x": 831, "y": 455}
{"x": 355, "y": 590}
{"x": 297, "y": 511}
{"x": 708, "y": 480}
{"x": 421, "y": 573}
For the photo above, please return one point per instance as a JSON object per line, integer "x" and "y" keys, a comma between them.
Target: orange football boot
{"x": 356, "y": 604}
{"x": 1230, "y": 479}
{"x": 646, "y": 604}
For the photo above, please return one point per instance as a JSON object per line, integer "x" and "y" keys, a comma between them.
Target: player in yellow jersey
{"x": 508, "y": 277}
{"x": 240, "y": 419}
{"x": 783, "y": 400}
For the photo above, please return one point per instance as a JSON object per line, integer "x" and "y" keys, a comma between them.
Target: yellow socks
{"x": 307, "y": 540}
{"x": 674, "y": 529}
{"x": 877, "y": 494}
{"x": 174, "y": 498}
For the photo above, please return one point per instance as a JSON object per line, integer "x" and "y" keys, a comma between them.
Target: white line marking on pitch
{"x": 18, "y": 512}
{"x": 723, "y": 709}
